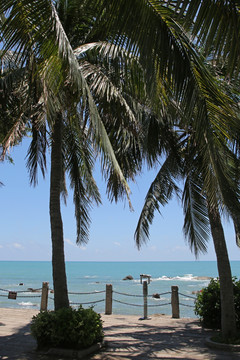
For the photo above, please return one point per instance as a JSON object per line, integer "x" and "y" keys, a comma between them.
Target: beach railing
{"x": 145, "y": 297}
{"x": 111, "y": 296}
{"x": 13, "y": 295}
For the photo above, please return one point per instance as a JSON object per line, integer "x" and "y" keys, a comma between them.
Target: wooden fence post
{"x": 44, "y": 298}
{"x": 175, "y": 302}
{"x": 145, "y": 294}
{"x": 108, "y": 303}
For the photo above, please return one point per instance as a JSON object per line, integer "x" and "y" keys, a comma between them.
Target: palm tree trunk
{"x": 228, "y": 317}
{"x": 58, "y": 262}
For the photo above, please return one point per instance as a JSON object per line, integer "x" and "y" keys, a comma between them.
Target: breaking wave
{"x": 186, "y": 277}
{"x": 27, "y": 304}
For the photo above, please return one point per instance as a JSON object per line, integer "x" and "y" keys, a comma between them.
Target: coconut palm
{"x": 209, "y": 168}
{"x": 201, "y": 215}
{"x": 72, "y": 110}
{"x": 204, "y": 110}
{"x": 160, "y": 50}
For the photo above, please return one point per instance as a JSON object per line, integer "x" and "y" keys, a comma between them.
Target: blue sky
{"x": 25, "y": 227}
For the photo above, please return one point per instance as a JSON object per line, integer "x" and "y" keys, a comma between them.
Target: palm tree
{"x": 61, "y": 97}
{"x": 209, "y": 168}
{"x": 202, "y": 207}
{"x": 204, "y": 109}
{"x": 161, "y": 51}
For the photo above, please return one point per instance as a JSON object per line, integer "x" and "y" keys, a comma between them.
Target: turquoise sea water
{"x": 92, "y": 277}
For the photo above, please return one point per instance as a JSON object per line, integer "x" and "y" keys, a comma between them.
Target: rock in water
{"x": 128, "y": 277}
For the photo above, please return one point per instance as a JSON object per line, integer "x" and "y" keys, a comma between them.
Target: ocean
{"x": 87, "y": 283}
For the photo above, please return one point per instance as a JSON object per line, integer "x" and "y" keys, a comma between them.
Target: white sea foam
{"x": 28, "y": 303}
{"x": 187, "y": 298}
{"x": 161, "y": 298}
{"x": 186, "y": 277}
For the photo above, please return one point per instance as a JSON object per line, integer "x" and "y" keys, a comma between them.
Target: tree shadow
{"x": 128, "y": 341}
{"x": 19, "y": 346}
{"x": 147, "y": 341}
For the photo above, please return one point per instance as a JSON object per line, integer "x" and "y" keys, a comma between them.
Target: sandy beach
{"x": 128, "y": 337}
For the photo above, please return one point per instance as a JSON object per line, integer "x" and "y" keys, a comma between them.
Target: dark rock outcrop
{"x": 128, "y": 277}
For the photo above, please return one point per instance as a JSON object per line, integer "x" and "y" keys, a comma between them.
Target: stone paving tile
{"x": 127, "y": 338}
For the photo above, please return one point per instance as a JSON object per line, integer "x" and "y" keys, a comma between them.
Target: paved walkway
{"x": 128, "y": 338}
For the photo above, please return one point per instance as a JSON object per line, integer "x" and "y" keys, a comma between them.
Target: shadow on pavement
{"x": 137, "y": 341}
{"x": 160, "y": 342}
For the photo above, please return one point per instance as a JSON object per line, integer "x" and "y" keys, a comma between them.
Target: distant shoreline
{"x": 123, "y": 261}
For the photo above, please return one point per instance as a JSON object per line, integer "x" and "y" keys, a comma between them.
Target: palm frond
{"x": 103, "y": 88}
{"x": 78, "y": 160}
{"x": 36, "y": 155}
{"x": 145, "y": 33}
{"x": 227, "y": 169}
{"x": 214, "y": 25}
{"x": 196, "y": 224}
{"x": 109, "y": 74}
{"x": 14, "y": 135}
{"x": 159, "y": 193}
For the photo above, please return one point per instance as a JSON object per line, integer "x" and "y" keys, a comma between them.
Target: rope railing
{"x": 87, "y": 303}
{"x": 120, "y": 293}
{"x": 192, "y": 306}
{"x": 82, "y": 303}
{"x": 109, "y": 298}
{"x": 21, "y": 291}
{"x": 156, "y": 305}
{"x": 165, "y": 293}
{"x": 141, "y": 296}
{"x": 122, "y": 302}
{"x": 86, "y": 293}
{"x": 29, "y": 296}
{"x": 188, "y": 296}
{"x": 14, "y": 294}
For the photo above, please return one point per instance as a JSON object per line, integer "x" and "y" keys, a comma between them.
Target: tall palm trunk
{"x": 228, "y": 317}
{"x": 58, "y": 262}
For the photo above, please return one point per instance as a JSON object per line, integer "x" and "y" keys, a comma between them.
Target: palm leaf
{"x": 22, "y": 32}
{"x": 36, "y": 155}
{"x": 196, "y": 224}
{"x": 78, "y": 160}
{"x": 215, "y": 25}
{"x": 159, "y": 193}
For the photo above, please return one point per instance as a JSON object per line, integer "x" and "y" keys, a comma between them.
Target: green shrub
{"x": 67, "y": 328}
{"x": 208, "y": 304}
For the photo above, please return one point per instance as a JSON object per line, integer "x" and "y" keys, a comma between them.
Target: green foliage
{"x": 208, "y": 304}
{"x": 67, "y": 328}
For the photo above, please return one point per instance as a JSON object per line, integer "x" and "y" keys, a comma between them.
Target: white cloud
{"x": 117, "y": 243}
{"x": 1, "y": 246}
{"x": 17, "y": 246}
{"x": 70, "y": 242}
{"x": 74, "y": 244}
